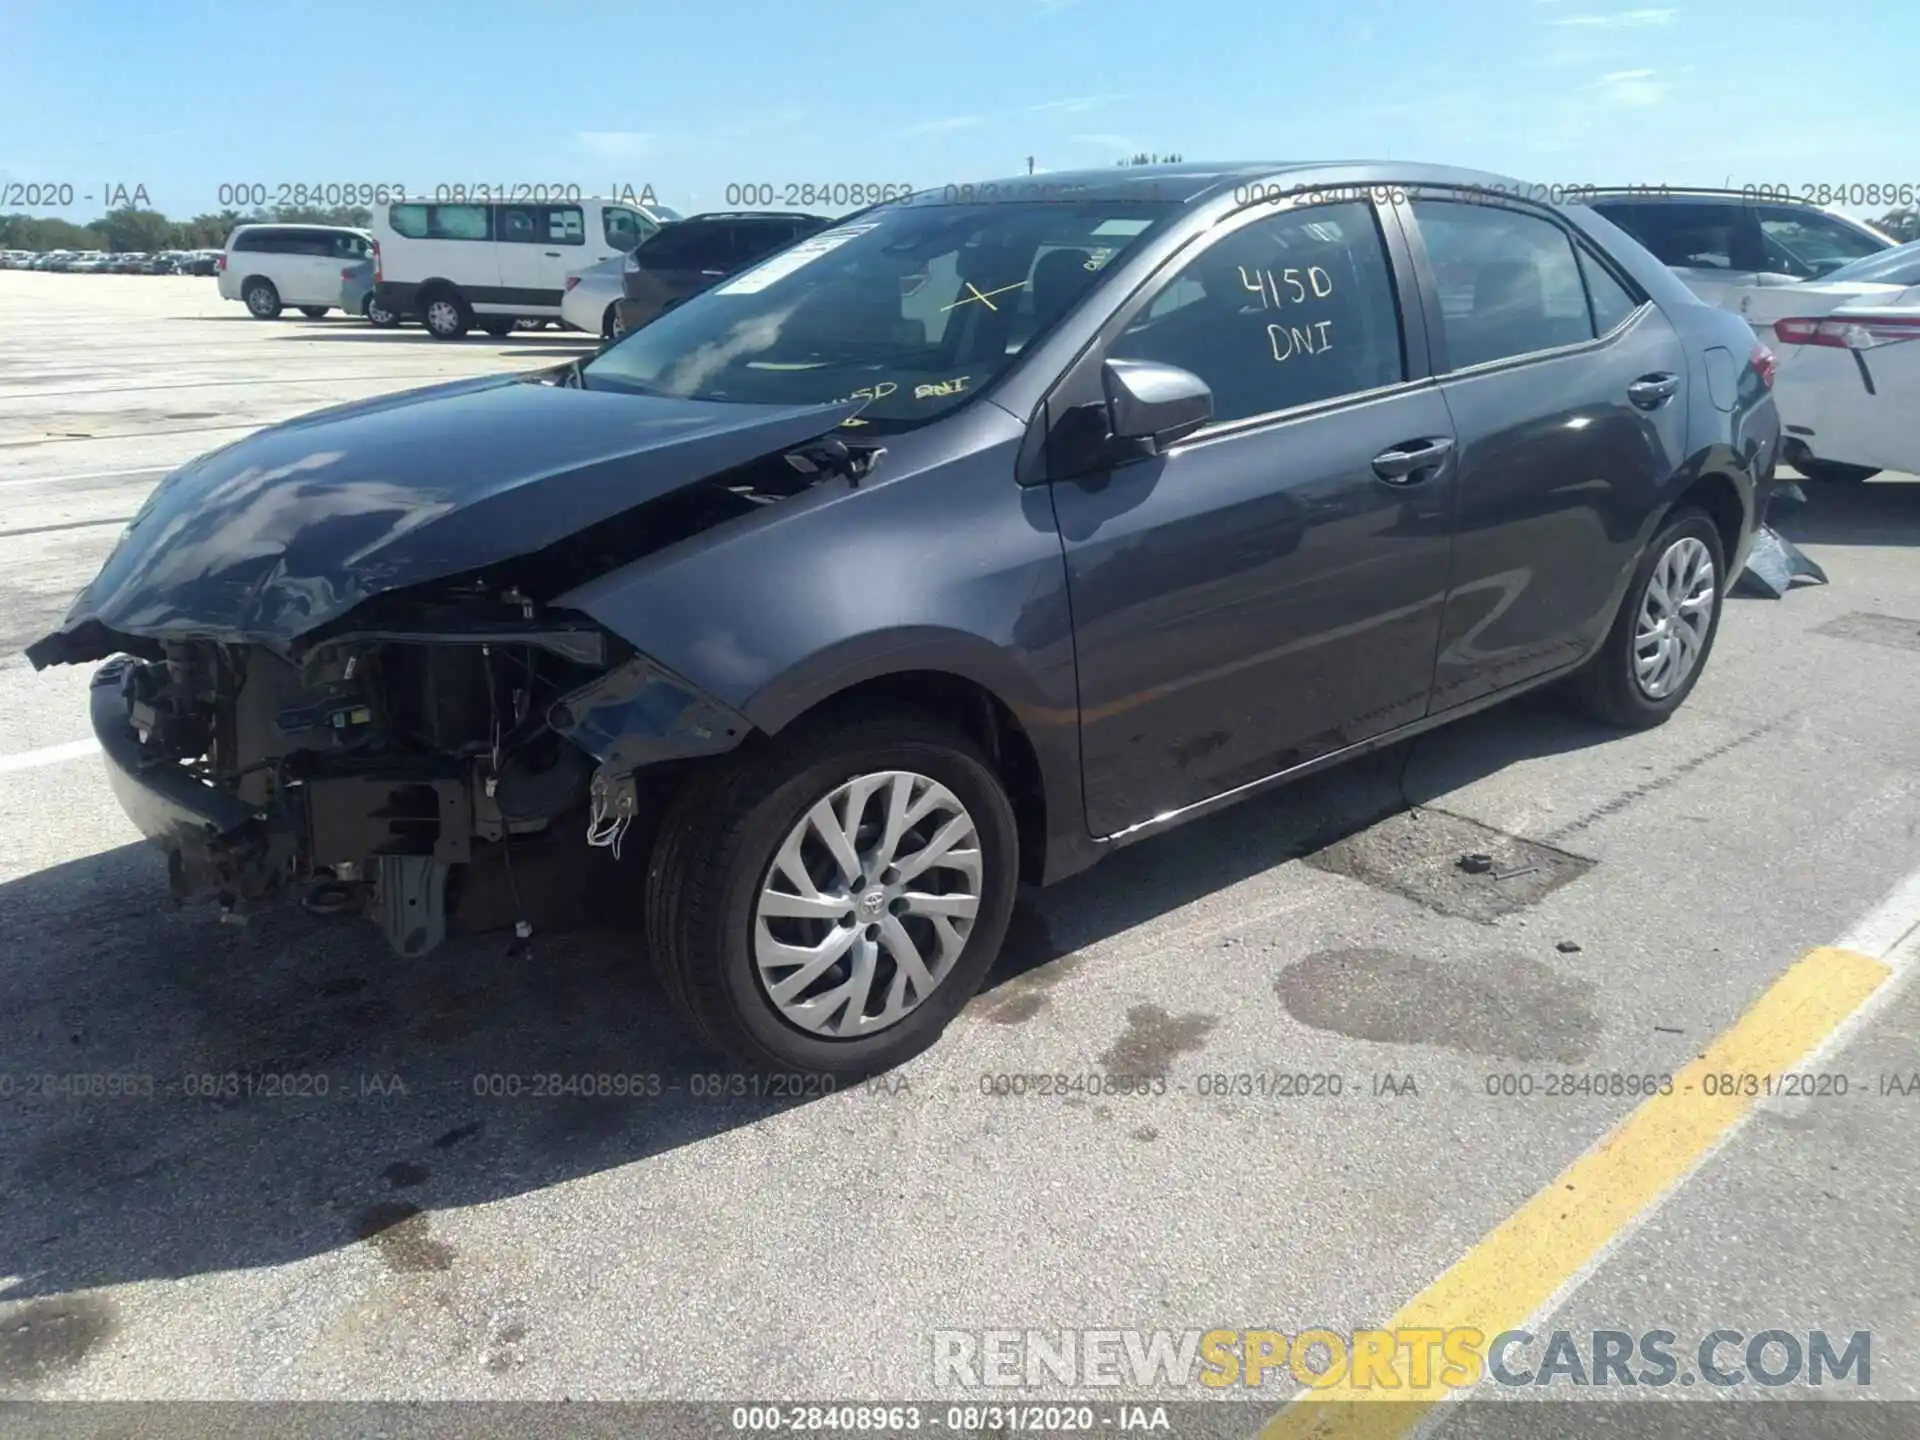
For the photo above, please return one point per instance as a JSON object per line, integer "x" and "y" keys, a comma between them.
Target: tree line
{"x": 132, "y": 230}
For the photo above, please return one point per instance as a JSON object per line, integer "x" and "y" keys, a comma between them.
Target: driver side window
{"x": 1288, "y": 310}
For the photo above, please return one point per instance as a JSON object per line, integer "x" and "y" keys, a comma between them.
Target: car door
{"x": 539, "y": 245}
{"x": 311, "y": 267}
{"x": 1568, "y": 394}
{"x": 1268, "y": 590}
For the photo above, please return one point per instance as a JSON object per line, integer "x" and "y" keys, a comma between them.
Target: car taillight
{"x": 572, "y": 280}
{"x": 1764, "y": 364}
{"x": 1861, "y": 332}
{"x": 220, "y": 261}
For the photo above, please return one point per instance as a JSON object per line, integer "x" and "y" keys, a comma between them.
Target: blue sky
{"x": 694, "y": 95}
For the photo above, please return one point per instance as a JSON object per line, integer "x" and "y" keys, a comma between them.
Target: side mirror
{"x": 1157, "y": 405}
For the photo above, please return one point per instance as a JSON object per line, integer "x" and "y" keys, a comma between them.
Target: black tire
{"x": 263, "y": 301}
{"x": 377, "y": 315}
{"x": 314, "y": 312}
{"x": 1833, "y": 472}
{"x": 498, "y": 326}
{"x": 609, "y": 325}
{"x": 1606, "y": 688}
{"x": 445, "y": 314}
{"x": 718, "y": 838}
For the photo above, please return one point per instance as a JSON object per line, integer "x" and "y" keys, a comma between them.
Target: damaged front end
{"x": 337, "y": 666}
{"x": 381, "y": 761}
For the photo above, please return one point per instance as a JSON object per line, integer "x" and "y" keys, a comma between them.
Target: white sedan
{"x": 1848, "y": 344}
{"x": 588, "y": 301}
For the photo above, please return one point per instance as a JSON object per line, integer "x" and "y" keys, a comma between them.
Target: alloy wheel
{"x": 1675, "y": 614}
{"x": 867, "y": 904}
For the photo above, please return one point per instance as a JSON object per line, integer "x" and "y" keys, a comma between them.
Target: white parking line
{"x": 51, "y": 755}
{"x": 88, "y": 475}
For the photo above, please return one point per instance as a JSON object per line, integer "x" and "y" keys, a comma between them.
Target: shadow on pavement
{"x": 249, "y": 1096}
{"x": 1876, "y": 512}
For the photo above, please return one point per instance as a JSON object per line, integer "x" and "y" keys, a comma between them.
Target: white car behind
{"x": 1848, "y": 345}
{"x": 588, "y": 301}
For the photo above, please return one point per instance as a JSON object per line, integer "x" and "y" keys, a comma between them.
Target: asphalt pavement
{"x": 295, "y": 1167}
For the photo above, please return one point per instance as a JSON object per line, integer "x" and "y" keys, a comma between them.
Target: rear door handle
{"x": 1412, "y": 462}
{"x": 553, "y": 254}
{"x": 1650, "y": 392}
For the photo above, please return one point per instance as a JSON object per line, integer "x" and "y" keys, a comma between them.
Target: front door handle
{"x": 553, "y": 254}
{"x": 1410, "y": 463}
{"x": 1650, "y": 392}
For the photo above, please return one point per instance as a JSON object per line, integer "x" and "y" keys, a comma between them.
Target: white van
{"x": 491, "y": 263}
{"x": 269, "y": 266}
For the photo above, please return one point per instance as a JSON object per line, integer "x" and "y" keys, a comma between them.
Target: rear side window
{"x": 625, "y": 228}
{"x": 1688, "y": 236}
{"x": 324, "y": 243}
{"x": 1807, "y": 243}
{"x": 1509, "y": 282}
{"x": 441, "y": 222}
{"x": 1285, "y": 311}
{"x": 762, "y": 239}
{"x": 270, "y": 242}
{"x": 688, "y": 247}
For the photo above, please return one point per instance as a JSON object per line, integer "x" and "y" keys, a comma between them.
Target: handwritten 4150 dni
{"x": 1292, "y": 287}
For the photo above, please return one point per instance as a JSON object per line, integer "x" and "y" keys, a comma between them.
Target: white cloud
{"x": 1074, "y": 104}
{"x": 1621, "y": 20}
{"x": 1108, "y": 141}
{"x": 1630, "y": 89}
{"x": 615, "y": 144}
{"x": 942, "y": 127}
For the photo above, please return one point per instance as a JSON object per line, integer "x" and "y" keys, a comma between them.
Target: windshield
{"x": 1898, "y": 266}
{"x": 914, "y": 309}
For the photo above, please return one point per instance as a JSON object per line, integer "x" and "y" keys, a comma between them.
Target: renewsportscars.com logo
{"x": 1411, "y": 1359}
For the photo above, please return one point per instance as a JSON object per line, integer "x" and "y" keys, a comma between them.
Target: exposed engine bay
{"x": 375, "y": 762}
{"x": 324, "y": 679}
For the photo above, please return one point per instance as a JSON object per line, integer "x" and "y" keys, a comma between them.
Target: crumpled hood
{"x": 292, "y": 527}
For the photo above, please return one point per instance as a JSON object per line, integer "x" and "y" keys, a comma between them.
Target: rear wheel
{"x": 1660, "y": 640}
{"x": 610, "y": 324}
{"x": 445, "y": 315}
{"x": 313, "y": 312}
{"x": 378, "y": 315}
{"x": 828, "y": 901}
{"x": 263, "y": 301}
{"x": 498, "y": 325}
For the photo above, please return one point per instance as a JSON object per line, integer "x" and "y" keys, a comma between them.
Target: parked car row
{"x": 139, "y": 262}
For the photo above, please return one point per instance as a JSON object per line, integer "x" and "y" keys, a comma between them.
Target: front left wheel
{"x": 826, "y": 902}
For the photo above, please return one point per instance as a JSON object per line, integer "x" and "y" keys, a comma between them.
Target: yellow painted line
{"x": 1531, "y": 1255}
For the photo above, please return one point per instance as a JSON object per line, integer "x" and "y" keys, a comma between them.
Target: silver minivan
{"x": 269, "y": 267}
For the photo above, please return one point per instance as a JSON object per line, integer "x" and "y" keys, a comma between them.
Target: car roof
{"x": 1692, "y": 195}
{"x": 1191, "y": 183}
{"x": 727, "y": 217}
{"x": 297, "y": 225}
